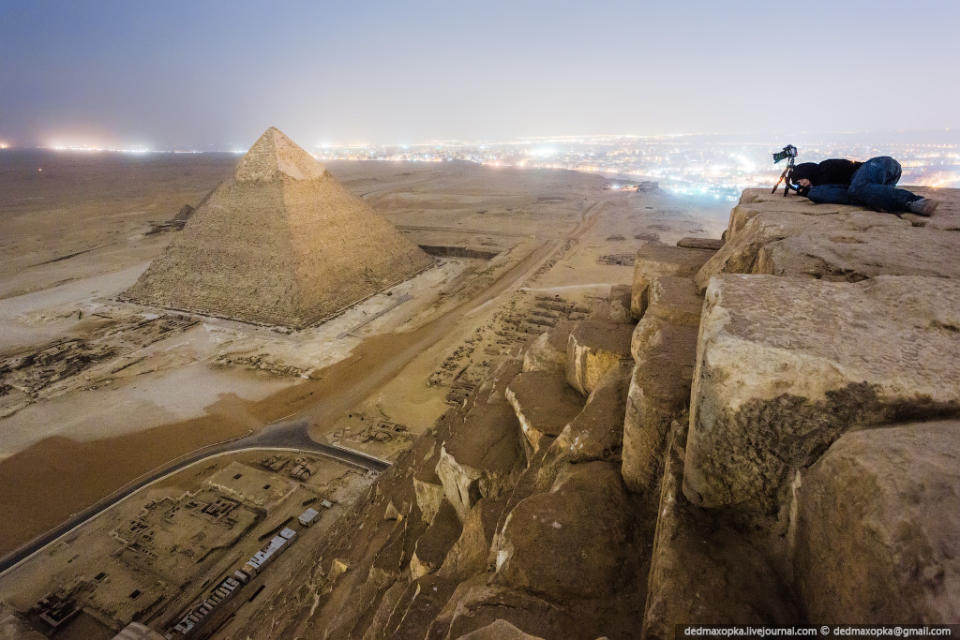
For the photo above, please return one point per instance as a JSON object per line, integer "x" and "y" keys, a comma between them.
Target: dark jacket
{"x": 833, "y": 171}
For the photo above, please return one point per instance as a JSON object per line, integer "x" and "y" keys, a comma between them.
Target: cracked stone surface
{"x": 785, "y": 366}
{"x": 769, "y": 234}
{"x": 877, "y": 527}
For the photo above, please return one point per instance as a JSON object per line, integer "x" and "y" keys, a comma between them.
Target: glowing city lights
{"x": 89, "y": 148}
{"x": 695, "y": 166}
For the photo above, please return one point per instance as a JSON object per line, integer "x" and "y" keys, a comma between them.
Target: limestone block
{"x": 674, "y": 299}
{"x": 483, "y": 454}
{"x": 878, "y": 527}
{"x": 476, "y": 604}
{"x": 429, "y": 493}
{"x": 594, "y": 348}
{"x": 659, "y": 393}
{"x": 390, "y": 512}
{"x": 548, "y": 352}
{"x": 618, "y": 303}
{"x": 544, "y": 404}
{"x": 469, "y": 554}
{"x": 499, "y": 630}
{"x": 794, "y": 237}
{"x": 654, "y": 260}
{"x": 596, "y": 433}
{"x": 432, "y": 546}
{"x": 700, "y": 243}
{"x": 338, "y": 567}
{"x": 395, "y": 599}
{"x": 756, "y": 201}
{"x": 429, "y": 597}
{"x": 391, "y": 558}
{"x": 568, "y": 543}
{"x": 947, "y": 216}
{"x": 703, "y": 571}
{"x": 597, "y": 476}
{"x": 785, "y": 366}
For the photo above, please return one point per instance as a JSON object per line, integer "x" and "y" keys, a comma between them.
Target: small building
{"x": 267, "y": 554}
{"x": 308, "y": 517}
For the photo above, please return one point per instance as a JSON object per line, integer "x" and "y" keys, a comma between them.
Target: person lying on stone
{"x": 870, "y": 184}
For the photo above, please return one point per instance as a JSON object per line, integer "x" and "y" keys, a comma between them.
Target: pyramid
{"x": 280, "y": 243}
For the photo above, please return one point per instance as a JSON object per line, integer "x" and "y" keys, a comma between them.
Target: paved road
{"x": 279, "y": 435}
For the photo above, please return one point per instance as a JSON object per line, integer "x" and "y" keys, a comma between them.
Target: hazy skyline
{"x": 214, "y": 75}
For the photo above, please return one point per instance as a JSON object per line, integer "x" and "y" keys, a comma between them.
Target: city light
{"x": 89, "y": 148}
{"x": 696, "y": 166}
{"x": 543, "y": 152}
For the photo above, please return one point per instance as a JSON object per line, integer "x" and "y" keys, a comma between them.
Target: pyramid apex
{"x": 274, "y": 156}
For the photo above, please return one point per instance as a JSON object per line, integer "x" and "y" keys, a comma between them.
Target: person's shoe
{"x": 923, "y": 206}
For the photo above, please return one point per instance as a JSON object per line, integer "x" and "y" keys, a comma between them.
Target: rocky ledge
{"x": 776, "y": 440}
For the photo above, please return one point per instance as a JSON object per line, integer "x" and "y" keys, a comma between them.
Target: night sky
{"x": 207, "y": 74}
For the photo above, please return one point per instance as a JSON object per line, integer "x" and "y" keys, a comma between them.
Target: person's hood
{"x": 806, "y": 170}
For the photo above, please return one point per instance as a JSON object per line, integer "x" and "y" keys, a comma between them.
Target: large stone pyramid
{"x": 281, "y": 242}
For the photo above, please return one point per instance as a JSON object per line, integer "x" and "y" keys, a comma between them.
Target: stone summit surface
{"x": 792, "y": 236}
{"x": 280, "y": 243}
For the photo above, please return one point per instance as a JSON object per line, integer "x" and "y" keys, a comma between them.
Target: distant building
{"x": 308, "y": 517}
{"x": 194, "y": 618}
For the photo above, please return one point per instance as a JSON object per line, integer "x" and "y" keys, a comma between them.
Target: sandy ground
{"x": 121, "y": 389}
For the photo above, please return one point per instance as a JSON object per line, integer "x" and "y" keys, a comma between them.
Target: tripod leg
{"x": 786, "y": 178}
{"x": 782, "y": 176}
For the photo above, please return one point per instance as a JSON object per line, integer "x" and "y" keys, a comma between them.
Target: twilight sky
{"x": 213, "y": 74}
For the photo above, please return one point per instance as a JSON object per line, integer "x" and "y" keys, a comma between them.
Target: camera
{"x": 788, "y": 151}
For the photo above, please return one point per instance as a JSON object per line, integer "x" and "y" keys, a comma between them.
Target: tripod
{"x": 785, "y": 179}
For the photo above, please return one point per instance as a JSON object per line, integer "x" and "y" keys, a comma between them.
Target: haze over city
{"x": 212, "y": 75}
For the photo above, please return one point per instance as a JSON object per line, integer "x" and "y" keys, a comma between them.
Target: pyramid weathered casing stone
{"x": 281, "y": 242}
{"x": 655, "y": 260}
{"x": 877, "y": 523}
{"x": 785, "y": 366}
